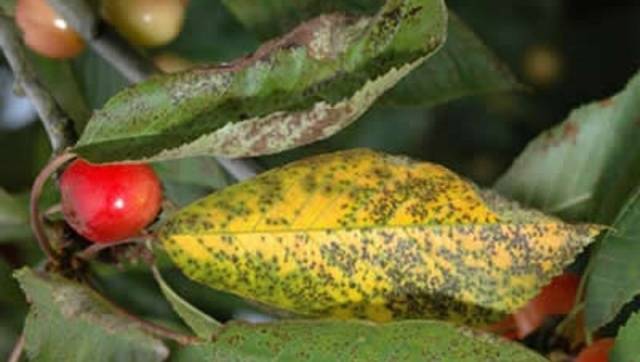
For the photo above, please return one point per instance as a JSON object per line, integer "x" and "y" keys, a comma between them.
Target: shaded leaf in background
{"x": 355, "y": 341}
{"x": 59, "y": 78}
{"x": 69, "y": 322}
{"x": 366, "y": 235}
{"x": 210, "y": 33}
{"x": 464, "y": 66}
{"x": 585, "y": 167}
{"x": 188, "y": 179}
{"x": 14, "y": 218}
{"x": 203, "y": 325}
{"x": 295, "y": 90}
{"x": 626, "y": 347}
{"x": 99, "y": 81}
{"x": 8, "y": 6}
{"x": 614, "y": 279}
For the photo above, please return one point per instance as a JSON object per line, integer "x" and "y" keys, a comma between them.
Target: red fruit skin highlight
{"x": 108, "y": 203}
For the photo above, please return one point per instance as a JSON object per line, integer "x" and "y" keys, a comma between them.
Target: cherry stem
{"x": 147, "y": 326}
{"x": 36, "y": 192}
{"x": 93, "y": 250}
{"x": 18, "y": 348}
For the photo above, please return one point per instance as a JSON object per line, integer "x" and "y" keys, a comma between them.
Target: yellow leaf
{"x": 359, "y": 234}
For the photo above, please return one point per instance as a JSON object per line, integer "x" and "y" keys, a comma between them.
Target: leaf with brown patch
{"x": 598, "y": 141}
{"x": 359, "y": 234}
{"x": 297, "y": 89}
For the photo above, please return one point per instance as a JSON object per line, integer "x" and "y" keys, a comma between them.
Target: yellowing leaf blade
{"x": 365, "y": 235}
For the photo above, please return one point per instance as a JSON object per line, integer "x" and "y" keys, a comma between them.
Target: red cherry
{"x": 556, "y": 298}
{"x": 107, "y": 203}
{"x": 598, "y": 351}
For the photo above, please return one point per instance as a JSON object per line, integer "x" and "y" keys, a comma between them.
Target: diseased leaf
{"x": 203, "y": 325}
{"x": 366, "y": 235}
{"x": 615, "y": 272}
{"x": 598, "y": 142}
{"x": 300, "y": 88}
{"x": 626, "y": 347}
{"x": 269, "y": 18}
{"x": 464, "y": 66}
{"x": 355, "y": 341}
{"x": 69, "y": 322}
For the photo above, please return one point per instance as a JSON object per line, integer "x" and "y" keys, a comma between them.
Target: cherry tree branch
{"x": 131, "y": 63}
{"x": 57, "y": 125}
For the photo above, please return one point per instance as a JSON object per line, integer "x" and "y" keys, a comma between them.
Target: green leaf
{"x": 70, "y": 322}
{"x": 615, "y": 275}
{"x": 60, "y": 80}
{"x": 8, "y": 6}
{"x": 14, "y": 218}
{"x": 210, "y": 33}
{"x": 585, "y": 167}
{"x": 9, "y": 290}
{"x": 99, "y": 81}
{"x": 304, "y": 87}
{"x": 269, "y": 18}
{"x": 354, "y": 341}
{"x": 360, "y": 234}
{"x": 464, "y": 66}
{"x": 203, "y": 325}
{"x": 188, "y": 179}
{"x": 626, "y": 347}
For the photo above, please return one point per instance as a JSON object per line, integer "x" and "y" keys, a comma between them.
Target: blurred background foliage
{"x": 564, "y": 52}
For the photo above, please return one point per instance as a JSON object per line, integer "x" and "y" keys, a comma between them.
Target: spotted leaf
{"x": 307, "y": 341}
{"x": 294, "y": 90}
{"x": 359, "y": 234}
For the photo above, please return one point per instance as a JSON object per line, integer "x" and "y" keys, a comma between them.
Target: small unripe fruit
{"x": 147, "y": 23}
{"x": 46, "y": 32}
{"x": 108, "y": 203}
{"x": 171, "y": 63}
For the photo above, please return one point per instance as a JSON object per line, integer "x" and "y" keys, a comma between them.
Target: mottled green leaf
{"x": 464, "y": 66}
{"x": 585, "y": 167}
{"x": 360, "y": 234}
{"x": 615, "y": 275}
{"x": 14, "y": 217}
{"x": 627, "y": 345}
{"x": 70, "y": 322}
{"x": 300, "y": 88}
{"x": 203, "y": 325}
{"x": 355, "y": 341}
